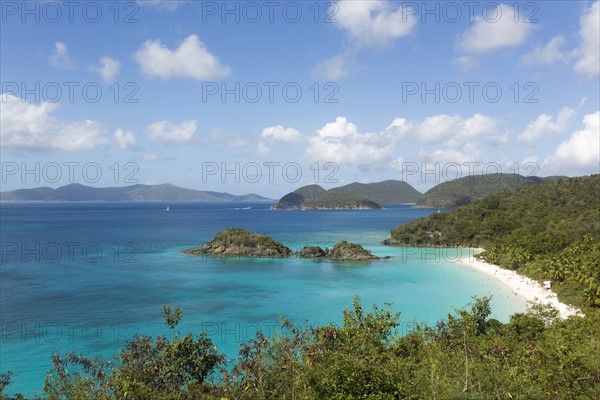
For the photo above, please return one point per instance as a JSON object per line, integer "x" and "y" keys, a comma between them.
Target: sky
{"x": 267, "y": 96}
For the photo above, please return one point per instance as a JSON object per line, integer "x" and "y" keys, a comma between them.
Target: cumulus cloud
{"x": 588, "y": 53}
{"x": 277, "y": 136}
{"x": 149, "y": 157}
{"x": 341, "y": 141}
{"x": 168, "y": 132}
{"x": 125, "y": 139}
{"x": 227, "y": 139}
{"x": 464, "y": 63}
{"x": 367, "y": 24}
{"x": 581, "y": 152}
{"x": 548, "y": 54}
{"x": 495, "y": 31}
{"x": 452, "y": 156}
{"x": 373, "y": 23}
{"x": 107, "y": 68}
{"x": 454, "y": 130}
{"x": 190, "y": 60}
{"x": 333, "y": 68}
{"x": 32, "y": 127}
{"x": 448, "y": 164}
{"x": 280, "y": 133}
{"x": 60, "y": 57}
{"x": 545, "y": 123}
{"x": 168, "y": 5}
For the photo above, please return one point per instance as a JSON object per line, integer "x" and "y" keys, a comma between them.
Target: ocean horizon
{"x": 86, "y": 277}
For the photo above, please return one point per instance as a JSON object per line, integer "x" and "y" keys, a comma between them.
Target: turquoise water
{"x": 88, "y": 276}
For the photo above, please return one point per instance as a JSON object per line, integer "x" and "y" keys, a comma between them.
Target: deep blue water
{"x": 88, "y": 276}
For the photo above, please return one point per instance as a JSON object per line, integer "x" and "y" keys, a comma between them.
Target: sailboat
{"x": 167, "y": 209}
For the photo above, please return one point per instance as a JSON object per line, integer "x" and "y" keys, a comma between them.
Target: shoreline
{"x": 520, "y": 285}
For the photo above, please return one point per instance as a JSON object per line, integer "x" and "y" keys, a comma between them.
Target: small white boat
{"x": 167, "y": 209}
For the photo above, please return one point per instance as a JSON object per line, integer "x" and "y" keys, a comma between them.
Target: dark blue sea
{"x": 86, "y": 277}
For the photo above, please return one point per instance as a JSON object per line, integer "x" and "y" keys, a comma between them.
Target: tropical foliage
{"x": 464, "y": 190}
{"x": 549, "y": 231}
{"x": 372, "y": 355}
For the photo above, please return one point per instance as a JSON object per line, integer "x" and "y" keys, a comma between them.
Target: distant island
{"x": 164, "y": 192}
{"x": 349, "y": 197}
{"x": 238, "y": 242}
{"x": 464, "y": 190}
{"x": 355, "y": 196}
{"x": 342, "y": 251}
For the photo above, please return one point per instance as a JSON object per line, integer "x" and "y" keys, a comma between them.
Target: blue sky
{"x": 264, "y": 97}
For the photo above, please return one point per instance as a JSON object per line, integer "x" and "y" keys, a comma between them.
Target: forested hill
{"x": 371, "y": 195}
{"x": 539, "y": 218}
{"x": 462, "y": 191}
{"x": 386, "y": 192}
{"x": 551, "y": 230}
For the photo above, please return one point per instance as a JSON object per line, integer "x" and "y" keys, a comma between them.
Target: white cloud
{"x": 581, "y": 152}
{"x": 32, "y": 127}
{"x": 501, "y": 139}
{"x": 169, "y": 5}
{"x": 60, "y": 57}
{"x": 495, "y": 31}
{"x": 125, "y": 139}
{"x": 277, "y": 136}
{"x": 448, "y": 164}
{"x": 280, "y": 133}
{"x": 373, "y": 23}
{"x": 108, "y": 69}
{"x": 453, "y": 156}
{"x": 464, "y": 63}
{"x": 227, "y": 139}
{"x": 549, "y": 54}
{"x": 545, "y": 123}
{"x": 454, "y": 130}
{"x": 400, "y": 130}
{"x": 340, "y": 141}
{"x": 167, "y": 131}
{"x": 588, "y": 62}
{"x": 149, "y": 157}
{"x": 190, "y": 60}
{"x": 333, "y": 68}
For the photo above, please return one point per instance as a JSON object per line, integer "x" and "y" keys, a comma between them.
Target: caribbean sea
{"x": 86, "y": 277}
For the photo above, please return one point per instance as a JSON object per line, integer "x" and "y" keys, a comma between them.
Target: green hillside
{"x": 338, "y": 201}
{"x": 386, "y": 192}
{"x": 465, "y": 190}
{"x": 369, "y": 195}
{"x": 548, "y": 231}
{"x": 299, "y": 196}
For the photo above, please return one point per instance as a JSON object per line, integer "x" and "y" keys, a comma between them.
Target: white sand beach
{"x": 529, "y": 289}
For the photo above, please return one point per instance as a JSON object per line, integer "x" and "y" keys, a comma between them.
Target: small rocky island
{"x": 343, "y": 251}
{"x": 238, "y": 242}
